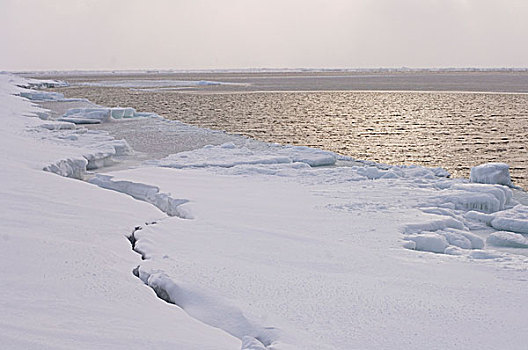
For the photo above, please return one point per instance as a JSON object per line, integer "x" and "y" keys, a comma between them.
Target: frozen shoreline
{"x": 259, "y": 238}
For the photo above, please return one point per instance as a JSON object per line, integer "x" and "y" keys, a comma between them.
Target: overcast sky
{"x": 204, "y": 34}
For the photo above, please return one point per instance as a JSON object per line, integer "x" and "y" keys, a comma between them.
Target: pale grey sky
{"x": 205, "y": 34}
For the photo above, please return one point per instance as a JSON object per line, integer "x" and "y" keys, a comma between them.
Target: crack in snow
{"x": 203, "y": 306}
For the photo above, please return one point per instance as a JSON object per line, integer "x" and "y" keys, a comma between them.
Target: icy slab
{"x": 229, "y": 155}
{"x": 42, "y": 95}
{"x": 491, "y": 173}
{"x": 86, "y": 115}
{"x": 100, "y": 115}
{"x": 514, "y": 219}
{"x": 148, "y": 193}
{"x": 507, "y": 239}
{"x": 58, "y": 126}
{"x": 69, "y": 167}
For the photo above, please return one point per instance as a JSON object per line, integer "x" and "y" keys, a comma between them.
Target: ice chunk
{"x": 480, "y": 197}
{"x": 78, "y": 119}
{"x": 119, "y": 113}
{"x": 491, "y": 173}
{"x": 478, "y": 216}
{"x": 429, "y": 242}
{"x": 87, "y": 115}
{"x": 311, "y": 156}
{"x": 74, "y": 168}
{"x": 462, "y": 239}
{"x": 42, "y": 95}
{"x": 434, "y": 225}
{"x": 514, "y": 219}
{"x": 148, "y": 193}
{"x": 507, "y": 239}
{"x": 58, "y": 126}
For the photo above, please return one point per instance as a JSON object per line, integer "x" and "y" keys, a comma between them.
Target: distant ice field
{"x": 402, "y": 120}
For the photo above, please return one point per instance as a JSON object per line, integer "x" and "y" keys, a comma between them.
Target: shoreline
{"x": 361, "y": 143}
{"x": 265, "y": 244}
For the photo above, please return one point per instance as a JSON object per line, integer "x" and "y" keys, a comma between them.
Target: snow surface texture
{"x": 270, "y": 248}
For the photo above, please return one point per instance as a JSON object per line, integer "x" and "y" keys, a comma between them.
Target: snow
{"x": 66, "y": 267}
{"x": 244, "y": 246}
{"x": 491, "y": 173}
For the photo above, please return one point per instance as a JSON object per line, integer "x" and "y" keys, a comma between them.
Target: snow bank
{"x": 491, "y": 173}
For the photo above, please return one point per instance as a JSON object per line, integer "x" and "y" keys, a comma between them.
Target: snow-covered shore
{"x": 258, "y": 247}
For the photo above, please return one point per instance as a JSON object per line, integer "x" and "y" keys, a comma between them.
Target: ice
{"x": 42, "y": 95}
{"x": 507, "y": 239}
{"x": 515, "y": 219}
{"x": 478, "y": 216}
{"x": 429, "y": 242}
{"x": 491, "y": 173}
{"x": 100, "y": 115}
{"x": 58, "y": 126}
{"x": 479, "y": 197}
{"x": 147, "y": 193}
{"x": 229, "y": 155}
{"x": 74, "y": 168}
{"x": 281, "y": 255}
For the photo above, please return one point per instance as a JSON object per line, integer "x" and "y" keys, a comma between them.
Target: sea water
{"x": 454, "y": 130}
